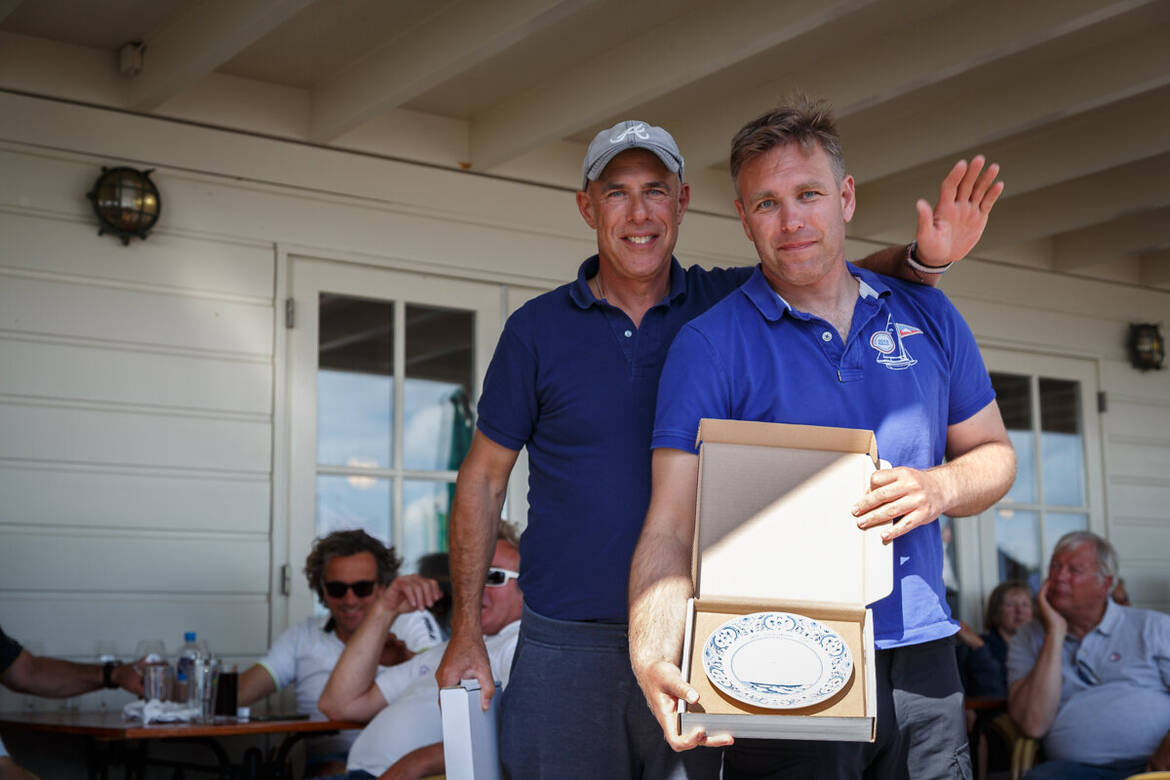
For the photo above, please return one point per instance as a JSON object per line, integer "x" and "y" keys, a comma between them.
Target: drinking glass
{"x": 156, "y": 682}
{"x": 227, "y": 690}
{"x": 207, "y": 675}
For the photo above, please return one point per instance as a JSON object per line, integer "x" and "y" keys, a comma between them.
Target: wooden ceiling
{"x": 1072, "y": 97}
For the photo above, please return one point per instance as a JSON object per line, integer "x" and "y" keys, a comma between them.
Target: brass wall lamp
{"x": 1147, "y": 347}
{"x": 126, "y": 202}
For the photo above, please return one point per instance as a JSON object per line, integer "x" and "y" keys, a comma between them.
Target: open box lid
{"x": 773, "y": 520}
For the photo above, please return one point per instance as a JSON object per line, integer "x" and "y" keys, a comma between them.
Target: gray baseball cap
{"x": 629, "y": 134}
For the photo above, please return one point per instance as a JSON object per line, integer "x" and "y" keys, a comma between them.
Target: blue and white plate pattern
{"x": 777, "y": 660}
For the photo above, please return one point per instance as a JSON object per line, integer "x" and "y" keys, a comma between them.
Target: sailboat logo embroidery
{"x": 888, "y": 343}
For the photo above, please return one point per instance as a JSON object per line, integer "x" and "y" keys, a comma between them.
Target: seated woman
{"x": 983, "y": 658}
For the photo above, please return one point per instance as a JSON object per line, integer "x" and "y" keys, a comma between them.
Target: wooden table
{"x": 111, "y": 740}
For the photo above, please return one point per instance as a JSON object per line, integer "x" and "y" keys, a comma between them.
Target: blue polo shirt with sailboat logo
{"x": 909, "y": 368}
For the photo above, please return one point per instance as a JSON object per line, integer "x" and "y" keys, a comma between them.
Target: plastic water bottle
{"x": 190, "y": 654}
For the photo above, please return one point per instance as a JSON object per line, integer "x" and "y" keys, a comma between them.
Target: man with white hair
{"x": 1091, "y": 677}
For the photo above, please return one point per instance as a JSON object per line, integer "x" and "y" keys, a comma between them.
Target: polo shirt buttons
{"x": 629, "y": 333}
{"x": 826, "y": 336}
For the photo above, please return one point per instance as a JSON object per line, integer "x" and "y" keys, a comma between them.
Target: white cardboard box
{"x": 470, "y": 748}
{"x": 774, "y": 532}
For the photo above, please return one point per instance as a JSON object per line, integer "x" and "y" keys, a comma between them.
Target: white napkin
{"x": 159, "y": 711}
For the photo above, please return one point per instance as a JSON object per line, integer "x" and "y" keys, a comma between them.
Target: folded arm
{"x": 351, "y": 693}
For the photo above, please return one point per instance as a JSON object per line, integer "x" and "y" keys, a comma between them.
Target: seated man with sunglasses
{"x": 404, "y": 737}
{"x": 349, "y": 571}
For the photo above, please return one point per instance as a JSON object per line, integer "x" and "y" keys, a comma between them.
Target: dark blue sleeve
{"x": 9, "y": 650}
{"x": 983, "y": 674}
{"x": 508, "y": 407}
{"x": 693, "y": 385}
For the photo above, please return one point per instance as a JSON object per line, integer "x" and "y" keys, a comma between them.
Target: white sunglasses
{"x": 498, "y": 578}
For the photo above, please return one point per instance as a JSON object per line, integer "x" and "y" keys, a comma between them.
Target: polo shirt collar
{"x": 772, "y": 306}
{"x": 583, "y": 297}
{"x": 1112, "y": 618}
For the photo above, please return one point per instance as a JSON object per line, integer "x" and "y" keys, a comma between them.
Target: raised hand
{"x": 952, "y": 227}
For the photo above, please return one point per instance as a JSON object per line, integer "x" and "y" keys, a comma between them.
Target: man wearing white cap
{"x": 574, "y": 379}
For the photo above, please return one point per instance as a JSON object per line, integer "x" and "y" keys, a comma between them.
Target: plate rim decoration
{"x": 734, "y": 634}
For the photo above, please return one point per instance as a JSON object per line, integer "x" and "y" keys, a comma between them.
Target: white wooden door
{"x": 385, "y": 367}
{"x": 1049, "y": 404}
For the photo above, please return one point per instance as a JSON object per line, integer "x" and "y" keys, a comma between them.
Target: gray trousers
{"x": 572, "y": 709}
{"x": 921, "y": 731}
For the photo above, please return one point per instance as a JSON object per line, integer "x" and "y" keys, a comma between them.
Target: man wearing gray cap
{"x": 574, "y": 379}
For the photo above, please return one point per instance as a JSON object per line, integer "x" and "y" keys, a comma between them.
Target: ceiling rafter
{"x": 1064, "y": 150}
{"x": 932, "y": 51}
{"x": 1006, "y": 107}
{"x": 1129, "y": 234}
{"x": 455, "y": 41}
{"x": 193, "y": 43}
{"x": 1088, "y": 200}
{"x": 682, "y": 50}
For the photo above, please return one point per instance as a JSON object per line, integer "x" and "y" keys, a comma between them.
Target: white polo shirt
{"x": 411, "y": 719}
{"x": 305, "y": 655}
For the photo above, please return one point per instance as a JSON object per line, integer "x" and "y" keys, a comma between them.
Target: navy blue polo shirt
{"x": 574, "y": 381}
{"x": 909, "y": 369}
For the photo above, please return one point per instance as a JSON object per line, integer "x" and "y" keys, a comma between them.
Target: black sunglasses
{"x": 361, "y": 588}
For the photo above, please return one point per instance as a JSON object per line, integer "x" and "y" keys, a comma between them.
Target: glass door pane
{"x": 1061, "y": 442}
{"x": 1014, "y": 395}
{"x": 1017, "y": 543}
{"x": 345, "y": 502}
{"x": 437, "y": 415}
{"x": 355, "y": 382}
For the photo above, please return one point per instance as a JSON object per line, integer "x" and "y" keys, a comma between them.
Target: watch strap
{"x": 913, "y": 261}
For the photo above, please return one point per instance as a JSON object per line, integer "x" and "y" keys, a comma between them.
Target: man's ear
{"x": 684, "y": 200}
{"x": 585, "y": 206}
{"x": 848, "y": 198}
{"x": 747, "y": 231}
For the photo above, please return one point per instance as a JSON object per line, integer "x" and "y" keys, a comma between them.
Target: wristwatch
{"x": 107, "y": 674}
{"x": 913, "y": 261}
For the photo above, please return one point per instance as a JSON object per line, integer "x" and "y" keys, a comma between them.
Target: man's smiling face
{"x": 636, "y": 207}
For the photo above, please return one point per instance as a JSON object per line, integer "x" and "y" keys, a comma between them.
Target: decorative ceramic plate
{"x": 777, "y": 660}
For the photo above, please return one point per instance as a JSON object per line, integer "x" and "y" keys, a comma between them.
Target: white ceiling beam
{"x": 678, "y": 52}
{"x": 1089, "y": 200}
{"x": 1129, "y": 234}
{"x": 453, "y": 42}
{"x": 890, "y": 66}
{"x": 7, "y": 7}
{"x": 991, "y": 111}
{"x": 199, "y": 39}
{"x": 1067, "y": 149}
{"x": 1155, "y": 268}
